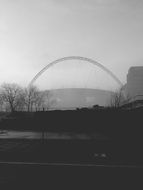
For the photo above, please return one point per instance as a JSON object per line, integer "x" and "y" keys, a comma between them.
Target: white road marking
{"x": 71, "y": 164}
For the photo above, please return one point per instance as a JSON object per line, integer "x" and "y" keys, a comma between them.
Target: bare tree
{"x": 39, "y": 101}
{"x": 21, "y": 101}
{"x": 49, "y": 100}
{"x": 34, "y": 99}
{"x": 11, "y": 95}
{"x": 44, "y": 100}
{"x": 30, "y": 97}
{"x": 1, "y": 102}
{"x": 119, "y": 98}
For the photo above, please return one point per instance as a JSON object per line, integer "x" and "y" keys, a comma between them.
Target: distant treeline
{"x": 13, "y": 98}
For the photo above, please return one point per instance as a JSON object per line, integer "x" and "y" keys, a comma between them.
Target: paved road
{"x": 65, "y": 176}
{"x": 77, "y": 164}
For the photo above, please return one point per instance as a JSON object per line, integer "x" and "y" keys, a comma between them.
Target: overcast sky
{"x": 35, "y": 32}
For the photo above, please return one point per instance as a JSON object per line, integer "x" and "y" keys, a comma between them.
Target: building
{"x": 134, "y": 86}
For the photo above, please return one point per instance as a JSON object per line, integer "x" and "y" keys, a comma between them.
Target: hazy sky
{"x": 35, "y": 32}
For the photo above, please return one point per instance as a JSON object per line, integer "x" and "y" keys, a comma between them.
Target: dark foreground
{"x": 116, "y": 162}
{"x": 26, "y": 176}
{"x": 69, "y": 164}
{"x": 70, "y": 151}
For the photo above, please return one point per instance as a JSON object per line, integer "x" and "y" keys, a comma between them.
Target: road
{"x": 65, "y": 176}
{"x": 64, "y": 163}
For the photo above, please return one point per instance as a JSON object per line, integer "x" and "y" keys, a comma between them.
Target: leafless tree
{"x": 11, "y": 95}
{"x": 31, "y": 94}
{"x": 1, "y": 102}
{"x": 21, "y": 101}
{"x": 40, "y": 100}
{"x": 49, "y": 100}
{"x": 119, "y": 98}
